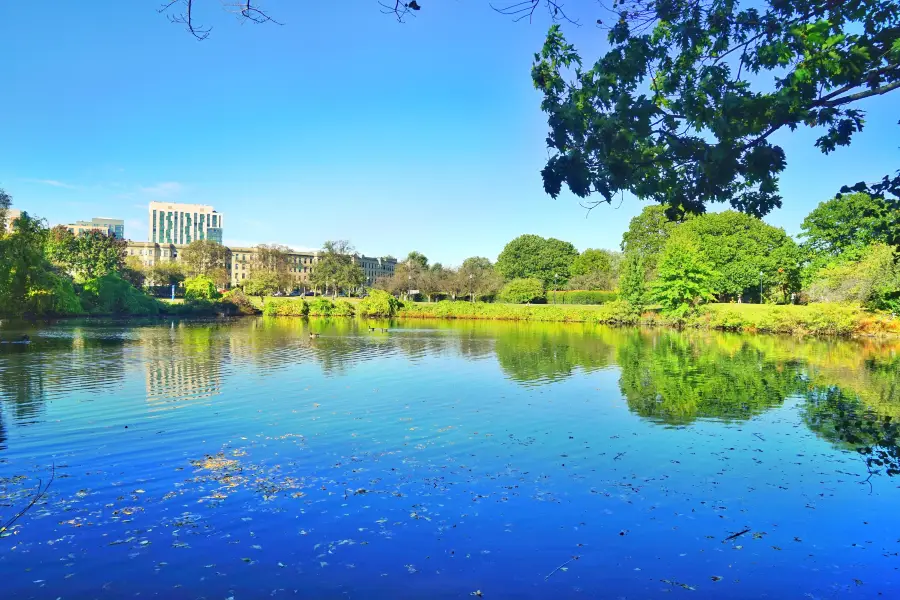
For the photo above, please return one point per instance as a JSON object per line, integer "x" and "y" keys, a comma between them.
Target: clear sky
{"x": 341, "y": 124}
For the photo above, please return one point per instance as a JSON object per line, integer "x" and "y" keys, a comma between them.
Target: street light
{"x": 471, "y": 291}
{"x": 760, "y": 287}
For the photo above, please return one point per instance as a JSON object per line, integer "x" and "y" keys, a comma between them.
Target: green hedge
{"x": 523, "y": 291}
{"x": 581, "y": 297}
{"x": 615, "y": 313}
{"x": 112, "y": 295}
{"x": 378, "y": 304}
{"x": 285, "y": 307}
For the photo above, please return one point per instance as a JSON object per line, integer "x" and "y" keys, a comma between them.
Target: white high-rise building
{"x": 173, "y": 223}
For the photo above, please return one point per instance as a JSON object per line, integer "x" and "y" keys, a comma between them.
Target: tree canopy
{"x": 336, "y": 268}
{"x": 851, "y": 222}
{"x": 206, "y": 258}
{"x": 270, "y": 268}
{"x": 739, "y": 247}
{"x": 647, "y": 234}
{"x": 682, "y": 107}
{"x": 88, "y": 255}
{"x": 531, "y": 256}
{"x": 685, "y": 277}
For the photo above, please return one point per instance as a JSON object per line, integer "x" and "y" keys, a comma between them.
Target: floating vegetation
{"x": 586, "y": 462}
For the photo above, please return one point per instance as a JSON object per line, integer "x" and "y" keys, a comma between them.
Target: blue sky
{"x": 341, "y": 124}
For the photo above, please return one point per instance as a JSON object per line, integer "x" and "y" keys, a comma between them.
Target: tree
{"x": 592, "y": 269}
{"x": 166, "y": 273}
{"x": 204, "y": 257}
{"x": 336, "y": 268}
{"x": 872, "y": 280}
{"x": 134, "y": 272}
{"x": 262, "y": 283}
{"x": 523, "y": 291}
{"x": 633, "y": 280}
{"x": 531, "y": 256}
{"x": 739, "y": 247}
{"x": 88, "y": 255}
{"x": 647, "y": 234}
{"x": 5, "y": 203}
{"x": 685, "y": 277}
{"x": 200, "y": 287}
{"x": 272, "y": 263}
{"x": 434, "y": 280}
{"x": 22, "y": 263}
{"x": 478, "y": 278}
{"x": 681, "y": 107}
{"x": 851, "y": 222}
{"x": 418, "y": 259}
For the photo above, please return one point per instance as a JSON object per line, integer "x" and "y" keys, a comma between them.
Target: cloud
{"x": 53, "y": 183}
{"x": 166, "y": 189}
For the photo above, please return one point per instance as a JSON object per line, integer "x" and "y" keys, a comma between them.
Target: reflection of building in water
{"x": 180, "y": 365}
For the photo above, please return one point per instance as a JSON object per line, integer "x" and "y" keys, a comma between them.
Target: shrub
{"x": 684, "y": 277}
{"x": 285, "y": 307}
{"x": 632, "y": 280}
{"x": 522, "y": 291}
{"x": 581, "y": 297}
{"x": 342, "y": 308}
{"x": 320, "y": 307}
{"x": 873, "y": 280}
{"x": 378, "y": 304}
{"x": 54, "y": 298}
{"x": 112, "y": 295}
{"x": 240, "y": 301}
{"x": 200, "y": 288}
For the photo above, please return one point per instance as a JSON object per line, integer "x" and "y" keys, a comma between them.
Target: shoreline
{"x": 816, "y": 320}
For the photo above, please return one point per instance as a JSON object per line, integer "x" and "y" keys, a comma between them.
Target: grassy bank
{"x": 814, "y": 319}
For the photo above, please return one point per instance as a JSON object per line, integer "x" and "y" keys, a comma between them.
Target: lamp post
{"x": 760, "y": 287}
{"x": 471, "y": 291}
{"x": 555, "y": 287}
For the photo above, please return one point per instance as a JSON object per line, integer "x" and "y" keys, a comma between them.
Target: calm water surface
{"x": 439, "y": 460}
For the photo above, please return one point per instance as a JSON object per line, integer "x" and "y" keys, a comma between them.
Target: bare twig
{"x": 186, "y": 18}
{"x": 560, "y": 567}
{"x": 41, "y": 492}
{"x": 400, "y": 9}
{"x": 525, "y": 10}
{"x": 735, "y": 535}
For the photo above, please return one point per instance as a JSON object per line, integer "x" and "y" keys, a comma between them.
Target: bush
{"x": 342, "y": 308}
{"x": 378, "y": 304}
{"x": 581, "y": 297}
{"x": 285, "y": 307}
{"x": 320, "y": 307}
{"x": 200, "y": 288}
{"x": 522, "y": 291}
{"x": 112, "y": 295}
{"x": 240, "y": 301}
{"x": 54, "y": 298}
{"x": 873, "y": 280}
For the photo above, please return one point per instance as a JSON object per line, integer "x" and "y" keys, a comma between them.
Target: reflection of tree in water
{"x": 676, "y": 378}
{"x": 545, "y": 353}
{"x": 843, "y": 419}
{"x": 78, "y": 360}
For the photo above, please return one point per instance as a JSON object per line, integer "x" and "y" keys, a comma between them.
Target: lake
{"x": 244, "y": 459}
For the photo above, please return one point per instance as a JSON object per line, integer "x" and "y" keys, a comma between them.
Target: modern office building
{"x": 113, "y": 227}
{"x": 11, "y": 215}
{"x": 181, "y": 224}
